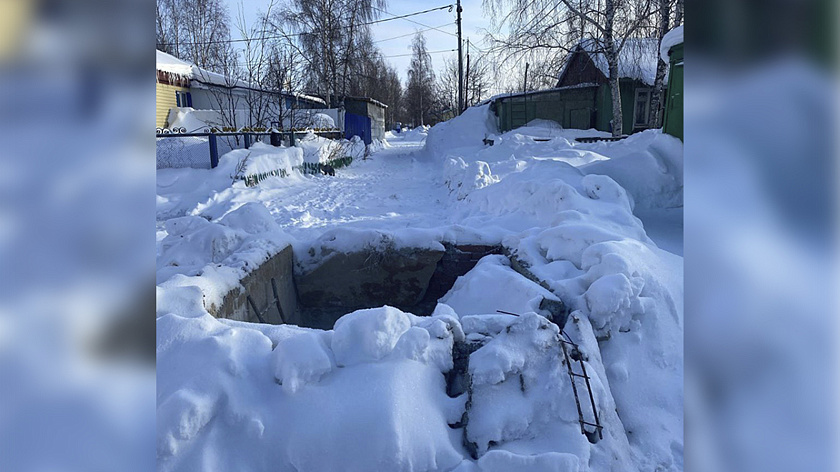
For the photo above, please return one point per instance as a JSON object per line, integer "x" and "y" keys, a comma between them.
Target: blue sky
{"x": 472, "y": 16}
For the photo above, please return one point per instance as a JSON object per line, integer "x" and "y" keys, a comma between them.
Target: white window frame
{"x": 646, "y": 124}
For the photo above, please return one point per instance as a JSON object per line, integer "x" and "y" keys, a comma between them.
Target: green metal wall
{"x": 571, "y": 108}
{"x": 673, "y": 122}
{"x": 628, "y": 97}
{"x": 577, "y": 108}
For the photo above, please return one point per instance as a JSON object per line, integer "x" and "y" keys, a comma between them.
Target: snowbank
{"x": 322, "y": 150}
{"x": 416, "y": 134}
{"x": 466, "y": 130}
{"x": 214, "y": 256}
{"x": 563, "y": 211}
{"x": 386, "y": 412}
{"x": 262, "y": 158}
{"x": 194, "y": 121}
{"x": 648, "y": 165}
{"x": 493, "y": 274}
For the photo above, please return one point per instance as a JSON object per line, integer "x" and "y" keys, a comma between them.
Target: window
{"x": 641, "y": 117}
{"x": 183, "y": 99}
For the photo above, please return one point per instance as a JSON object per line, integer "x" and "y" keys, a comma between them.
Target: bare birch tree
{"x": 196, "y": 31}
{"x": 557, "y": 26}
{"x": 419, "y": 94}
{"x": 656, "y": 99}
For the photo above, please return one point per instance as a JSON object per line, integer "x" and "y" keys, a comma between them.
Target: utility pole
{"x": 460, "y": 63}
{"x": 467, "y": 78}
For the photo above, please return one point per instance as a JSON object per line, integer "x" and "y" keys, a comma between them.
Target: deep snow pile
{"x": 370, "y": 394}
{"x": 213, "y": 256}
{"x": 573, "y": 229}
{"x": 367, "y": 396}
{"x": 321, "y": 150}
{"x": 647, "y": 165}
{"x": 261, "y": 158}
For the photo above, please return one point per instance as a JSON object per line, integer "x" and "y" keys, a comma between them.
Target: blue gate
{"x": 357, "y": 125}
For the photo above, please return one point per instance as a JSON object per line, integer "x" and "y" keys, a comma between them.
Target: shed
{"x": 581, "y": 98}
{"x": 571, "y": 107}
{"x": 671, "y": 51}
{"x": 364, "y": 117}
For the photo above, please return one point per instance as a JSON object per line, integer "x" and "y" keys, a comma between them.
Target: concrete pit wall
{"x": 257, "y": 284}
{"x": 411, "y": 279}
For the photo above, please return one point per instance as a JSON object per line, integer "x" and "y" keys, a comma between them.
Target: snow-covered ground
{"x": 598, "y": 225}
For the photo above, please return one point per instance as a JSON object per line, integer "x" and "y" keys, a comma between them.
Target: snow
{"x": 321, "y": 150}
{"x": 303, "y": 359}
{"x": 194, "y": 121}
{"x": 320, "y": 418}
{"x": 322, "y": 121}
{"x": 493, "y": 274}
{"x": 671, "y": 39}
{"x": 168, "y": 63}
{"x": 215, "y": 255}
{"x": 369, "y": 394}
{"x": 368, "y": 335}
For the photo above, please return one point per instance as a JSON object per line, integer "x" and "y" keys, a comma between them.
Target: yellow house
{"x": 217, "y": 100}
{"x": 172, "y": 86}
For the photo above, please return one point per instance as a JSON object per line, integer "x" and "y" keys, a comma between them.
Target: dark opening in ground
{"x": 410, "y": 279}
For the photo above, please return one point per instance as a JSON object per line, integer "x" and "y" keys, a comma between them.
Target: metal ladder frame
{"x": 572, "y": 374}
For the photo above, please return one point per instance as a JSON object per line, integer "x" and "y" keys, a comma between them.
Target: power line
{"x": 227, "y": 41}
{"x": 416, "y": 22}
{"x": 429, "y": 52}
{"x": 415, "y": 32}
{"x": 384, "y": 57}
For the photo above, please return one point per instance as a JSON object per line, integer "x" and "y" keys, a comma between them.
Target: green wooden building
{"x": 582, "y": 99}
{"x": 672, "y": 50}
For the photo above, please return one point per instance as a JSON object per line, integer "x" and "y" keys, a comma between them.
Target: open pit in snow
{"x": 285, "y": 289}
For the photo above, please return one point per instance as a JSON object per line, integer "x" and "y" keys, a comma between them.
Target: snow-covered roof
{"x": 367, "y": 99}
{"x": 671, "y": 39}
{"x": 637, "y": 59}
{"x": 172, "y": 65}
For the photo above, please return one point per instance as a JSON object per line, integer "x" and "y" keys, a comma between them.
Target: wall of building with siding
{"x": 166, "y": 100}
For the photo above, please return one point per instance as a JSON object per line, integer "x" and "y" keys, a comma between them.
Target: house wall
{"x": 164, "y": 101}
{"x": 628, "y": 102}
{"x": 581, "y": 70}
{"x": 570, "y": 108}
{"x": 218, "y": 98}
{"x": 673, "y": 122}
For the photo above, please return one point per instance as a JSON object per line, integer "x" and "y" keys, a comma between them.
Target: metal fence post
{"x": 292, "y": 139}
{"x": 214, "y": 152}
{"x": 247, "y": 140}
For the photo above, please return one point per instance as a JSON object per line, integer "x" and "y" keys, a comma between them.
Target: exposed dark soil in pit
{"x": 411, "y": 279}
